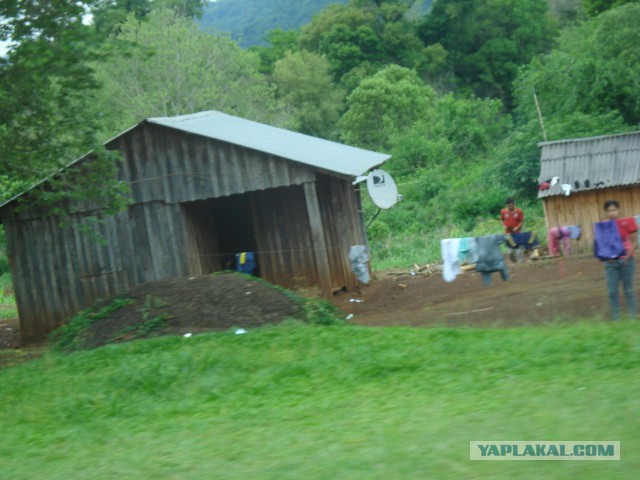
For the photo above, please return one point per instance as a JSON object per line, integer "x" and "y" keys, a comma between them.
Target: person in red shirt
{"x": 622, "y": 269}
{"x": 512, "y": 220}
{"x": 512, "y": 217}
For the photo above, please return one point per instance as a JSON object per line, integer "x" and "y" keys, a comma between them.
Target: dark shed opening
{"x": 219, "y": 229}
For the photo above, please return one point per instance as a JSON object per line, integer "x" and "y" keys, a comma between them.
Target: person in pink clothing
{"x": 557, "y": 236}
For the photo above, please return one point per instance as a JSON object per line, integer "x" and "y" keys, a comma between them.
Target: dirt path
{"x": 542, "y": 291}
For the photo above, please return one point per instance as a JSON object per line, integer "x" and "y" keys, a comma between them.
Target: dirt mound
{"x": 537, "y": 292}
{"x": 192, "y": 305}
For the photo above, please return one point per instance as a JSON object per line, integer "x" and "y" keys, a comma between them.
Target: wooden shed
{"x": 589, "y": 172}
{"x": 204, "y": 187}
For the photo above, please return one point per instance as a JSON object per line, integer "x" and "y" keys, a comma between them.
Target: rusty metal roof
{"x": 590, "y": 163}
{"x": 313, "y": 151}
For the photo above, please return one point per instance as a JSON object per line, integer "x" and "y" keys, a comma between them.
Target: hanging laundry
{"x": 468, "y": 250}
{"x": 455, "y": 252}
{"x": 527, "y": 240}
{"x": 490, "y": 258}
{"x": 449, "y": 248}
{"x": 554, "y": 180}
{"x": 519, "y": 243}
{"x": 575, "y": 231}
{"x": 566, "y": 189}
{"x": 544, "y": 186}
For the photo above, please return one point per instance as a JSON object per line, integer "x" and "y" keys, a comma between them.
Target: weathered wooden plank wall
{"x": 58, "y": 271}
{"x": 202, "y": 239}
{"x": 283, "y": 234}
{"x": 586, "y": 208}
{"x": 287, "y": 251}
{"x": 341, "y": 215}
{"x": 162, "y": 164}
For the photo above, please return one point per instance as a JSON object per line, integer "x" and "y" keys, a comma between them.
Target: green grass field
{"x": 298, "y": 401}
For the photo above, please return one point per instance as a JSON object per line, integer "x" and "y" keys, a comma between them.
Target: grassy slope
{"x": 297, "y": 401}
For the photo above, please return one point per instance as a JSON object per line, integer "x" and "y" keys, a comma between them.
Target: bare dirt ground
{"x": 546, "y": 290}
{"x": 9, "y": 333}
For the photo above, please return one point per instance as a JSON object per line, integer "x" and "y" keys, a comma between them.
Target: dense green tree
{"x": 363, "y": 37}
{"x": 279, "y": 43}
{"x": 347, "y": 48}
{"x": 596, "y": 7}
{"x": 588, "y": 85}
{"x": 567, "y": 11}
{"x": 456, "y": 133}
{"x": 312, "y": 33}
{"x": 45, "y": 81}
{"x": 487, "y": 40}
{"x": 306, "y": 88}
{"x": 384, "y": 104}
{"x": 177, "y": 69}
{"x": 593, "y": 70}
{"x": 445, "y": 165}
{"x": 108, "y": 15}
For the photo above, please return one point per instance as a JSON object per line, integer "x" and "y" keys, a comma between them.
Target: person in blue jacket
{"x": 621, "y": 270}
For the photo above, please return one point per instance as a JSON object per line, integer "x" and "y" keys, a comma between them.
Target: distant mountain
{"x": 247, "y": 21}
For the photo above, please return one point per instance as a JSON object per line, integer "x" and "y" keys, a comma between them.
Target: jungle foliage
{"x": 446, "y": 89}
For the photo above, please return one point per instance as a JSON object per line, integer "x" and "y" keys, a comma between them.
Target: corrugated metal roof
{"x": 297, "y": 147}
{"x": 313, "y": 151}
{"x": 590, "y": 163}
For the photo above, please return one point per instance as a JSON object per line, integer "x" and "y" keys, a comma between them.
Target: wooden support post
{"x": 319, "y": 243}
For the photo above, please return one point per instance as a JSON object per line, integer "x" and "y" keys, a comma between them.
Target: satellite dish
{"x": 382, "y": 189}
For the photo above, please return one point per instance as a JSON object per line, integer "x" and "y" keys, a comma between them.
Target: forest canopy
{"x": 446, "y": 88}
